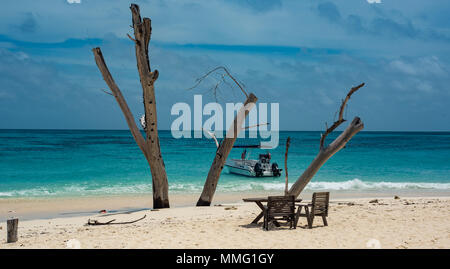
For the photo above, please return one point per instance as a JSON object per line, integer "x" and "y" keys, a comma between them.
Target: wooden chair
{"x": 319, "y": 207}
{"x": 279, "y": 208}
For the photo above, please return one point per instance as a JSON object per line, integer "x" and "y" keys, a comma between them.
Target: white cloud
{"x": 425, "y": 87}
{"x": 404, "y": 67}
{"x": 74, "y": 1}
{"x": 374, "y": 1}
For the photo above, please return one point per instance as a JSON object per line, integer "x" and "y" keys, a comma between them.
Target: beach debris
{"x": 12, "y": 226}
{"x": 111, "y": 222}
{"x": 154, "y": 209}
{"x": 231, "y": 208}
{"x": 374, "y": 201}
{"x": 396, "y": 197}
{"x": 346, "y": 203}
{"x": 102, "y": 211}
{"x": 409, "y": 203}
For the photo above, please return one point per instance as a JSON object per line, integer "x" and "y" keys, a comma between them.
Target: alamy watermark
{"x": 259, "y": 122}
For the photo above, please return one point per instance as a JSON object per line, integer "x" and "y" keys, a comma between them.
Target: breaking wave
{"x": 224, "y": 186}
{"x": 355, "y": 184}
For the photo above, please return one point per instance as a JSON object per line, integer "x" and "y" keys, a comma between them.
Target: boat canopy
{"x": 252, "y": 146}
{"x": 247, "y": 146}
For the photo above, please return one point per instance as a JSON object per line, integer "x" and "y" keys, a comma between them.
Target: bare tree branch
{"x": 223, "y": 151}
{"x": 213, "y": 136}
{"x": 199, "y": 80}
{"x": 132, "y": 39}
{"x": 326, "y": 152}
{"x": 341, "y": 115}
{"x": 354, "y": 127}
{"x": 149, "y": 146}
{"x": 100, "y": 61}
{"x": 288, "y": 142}
{"x": 105, "y": 91}
{"x": 256, "y": 125}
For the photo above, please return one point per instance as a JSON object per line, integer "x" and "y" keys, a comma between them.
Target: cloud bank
{"x": 303, "y": 54}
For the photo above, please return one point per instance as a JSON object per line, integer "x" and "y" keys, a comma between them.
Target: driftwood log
{"x": 12, "y": 226}
{"x": 111, "y": 222}
{"x": 325, "y": 152}
{"x": 150, "y": 145}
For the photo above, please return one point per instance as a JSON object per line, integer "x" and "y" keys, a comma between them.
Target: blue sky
{"x": 303, "y": 54}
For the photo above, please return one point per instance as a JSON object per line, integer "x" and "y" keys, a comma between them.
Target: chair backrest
{"x": 281, "y": 205}
{"x": 320, "y": 201}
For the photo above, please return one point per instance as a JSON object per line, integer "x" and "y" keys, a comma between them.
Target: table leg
{"x": 255, "y": 221}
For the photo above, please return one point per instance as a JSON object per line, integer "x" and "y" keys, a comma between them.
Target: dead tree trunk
{"x": 288, "y": 142}
{"x": 149, "y": 146}
{"x": 326, "y": 152}
{"x": 223, "y": 151}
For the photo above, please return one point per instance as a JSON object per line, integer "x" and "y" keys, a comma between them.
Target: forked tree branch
{"x": 341, "y": 115}
{"x": 352, "y": 129}
{"x": 326, "y": 152}
{"x": 150, "y": 145}
{"x": 199, "y": 80}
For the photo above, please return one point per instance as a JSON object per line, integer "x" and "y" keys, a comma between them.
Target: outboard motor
{"x": 258, "y": 170}
{"x": 275, "y": 170}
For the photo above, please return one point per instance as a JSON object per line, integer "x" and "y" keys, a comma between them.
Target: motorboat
{"x": 262, "y": 167}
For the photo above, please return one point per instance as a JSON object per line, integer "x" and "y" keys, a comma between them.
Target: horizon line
{"x": 79, "y": 129}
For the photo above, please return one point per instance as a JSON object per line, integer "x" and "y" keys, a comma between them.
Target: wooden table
{"x": 259, "y": 202}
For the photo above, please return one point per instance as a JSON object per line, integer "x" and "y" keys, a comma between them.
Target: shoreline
{"x": 34, "y": 208}
{"x": 417, "y": 222}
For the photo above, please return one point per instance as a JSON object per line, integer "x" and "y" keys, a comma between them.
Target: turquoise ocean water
{"x": 54, "y": 163}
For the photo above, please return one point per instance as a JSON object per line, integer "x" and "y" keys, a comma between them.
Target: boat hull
{"x": 245, "y": 168}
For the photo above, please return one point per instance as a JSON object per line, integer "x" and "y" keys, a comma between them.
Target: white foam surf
{"x": 230, "y": 186}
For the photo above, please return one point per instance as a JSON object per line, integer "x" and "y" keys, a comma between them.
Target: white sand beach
{"x": 414, "y": 222}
